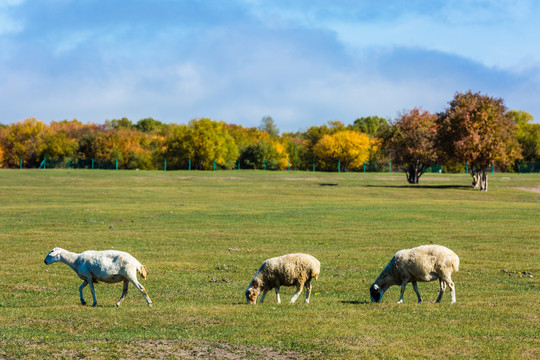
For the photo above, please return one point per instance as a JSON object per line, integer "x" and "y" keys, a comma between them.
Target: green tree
{"x": 259, "y": 155}
{"x": 528, "y": 134}
{"x": 123, "y": 123}
{"x": 203, "y": 141}
{"x": 268, "y": 125}
{"x": 410, "y": 142}
{"x": 370, "y": 125}
{"x": 476, "y": 129}
{"x": 149, "y": 125}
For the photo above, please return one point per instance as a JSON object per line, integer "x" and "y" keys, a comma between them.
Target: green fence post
{"x": 165, "y": 165}
{"x": 238, "y": 164}
{"x": 214, "y": 165}
{"x": 492, "y": 169}
{"x": 116, "y": 163}
{"x": 339, "y": 166}
{"x": 364, "y": 166}
{"x": 264, "y": 164}
{"x": 69, "y": 162}
{"x": 289, "y": 165}
{"x": 21, "y": 163}
{"x": 313, "y": 165}
{"x": 189, "y": 168}
{"x": 92, "y": 163}
{"x": 389, "y": 166}
{"x": 466, "y": 168}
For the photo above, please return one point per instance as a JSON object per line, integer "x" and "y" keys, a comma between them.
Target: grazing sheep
{"x": 109, "y": 266}
{"x": 287, "y": 270}
{"x": 423, "y": 263}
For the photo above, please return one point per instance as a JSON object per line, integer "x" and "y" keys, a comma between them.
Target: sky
{"x": 302, "y": 62}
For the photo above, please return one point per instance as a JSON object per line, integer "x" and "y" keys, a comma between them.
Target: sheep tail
{"x": 455, "y": 264}
{"x": 143, "y": 272}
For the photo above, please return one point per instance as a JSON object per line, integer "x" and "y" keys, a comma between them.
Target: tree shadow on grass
{"x": 459, "y": 187}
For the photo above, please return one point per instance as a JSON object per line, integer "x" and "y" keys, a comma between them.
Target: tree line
{"x": 475, "y": 129}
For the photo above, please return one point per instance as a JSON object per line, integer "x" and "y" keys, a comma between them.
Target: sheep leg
{"x": 415, "y": 287}
{"x": 81, "y": 291}
{"x": 452, "y": 290}
{"x": 91, "y": 283}
{"x": 277, "y": 295}
{"x": 142, "y": 290}
{"x": 308, "y": 292}
{"x": 402, "y": 292}
{"x": 263, "y": 296}
{"x": 299, "y": 288}
{"x": 442, "y": 284}
{"x": 124, "y": 293}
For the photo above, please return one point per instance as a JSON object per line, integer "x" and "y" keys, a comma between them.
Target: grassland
{"x": 202, "y": 235}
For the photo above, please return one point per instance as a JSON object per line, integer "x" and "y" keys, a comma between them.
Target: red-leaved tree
{"x": 477, "y": 130}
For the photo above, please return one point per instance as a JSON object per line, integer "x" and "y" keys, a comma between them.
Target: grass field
{"x": 202, "y": 236}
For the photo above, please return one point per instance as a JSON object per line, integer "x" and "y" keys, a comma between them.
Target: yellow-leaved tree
{"x": 350, "y": 148}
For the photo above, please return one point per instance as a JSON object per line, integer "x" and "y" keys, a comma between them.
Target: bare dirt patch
{"x": 532, "y": 188}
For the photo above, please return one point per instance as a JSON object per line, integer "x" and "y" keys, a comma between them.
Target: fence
{"x": 368, "y": 166}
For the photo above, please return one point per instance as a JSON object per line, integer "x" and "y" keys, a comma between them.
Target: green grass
{"x": 191, "y": 227}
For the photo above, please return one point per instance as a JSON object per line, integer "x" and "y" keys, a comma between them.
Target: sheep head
{"x": 376, "y": 293}
{"x": 54, "y": 256}
{"x": 252, "y": 292}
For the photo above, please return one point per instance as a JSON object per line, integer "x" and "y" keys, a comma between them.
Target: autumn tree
{"x": 476, "y": 129}
{"x": 23, "y": 139}
{"x": 410, "y": 142}
{"x": 203, "y": 141}
{"x": 350, "y": 148}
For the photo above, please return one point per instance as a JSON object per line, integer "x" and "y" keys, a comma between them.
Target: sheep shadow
{"x": 460, "y": 187}
{"x": 328, "y": 184}
{"x": 355, "y": 302}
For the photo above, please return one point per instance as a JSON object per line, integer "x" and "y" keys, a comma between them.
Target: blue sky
{"x": 302, "y": 62}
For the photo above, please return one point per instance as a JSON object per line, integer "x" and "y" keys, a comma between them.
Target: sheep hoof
{"x": 94, "y": 304}
{"x": 150, "y": 304}
{"x": 400, "y": 302}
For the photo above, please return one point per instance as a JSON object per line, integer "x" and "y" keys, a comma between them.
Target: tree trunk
{"x": 480, "y": 177}
{"x": 484, "y": 181}
{"x": 475, "y": 173}
{"x": 413, "y": 173}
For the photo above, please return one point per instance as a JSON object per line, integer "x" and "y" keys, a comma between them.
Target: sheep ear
{"x": 255, "y": 284}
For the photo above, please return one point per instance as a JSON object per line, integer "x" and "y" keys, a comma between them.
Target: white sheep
{"x": 287, "y": 270}
{"x": 422, "y": 263}
{"x": 109, "y": 266}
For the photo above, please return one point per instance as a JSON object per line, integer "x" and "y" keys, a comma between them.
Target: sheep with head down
{"x": 423, "y": 263}
{"x": 287, "y": 270}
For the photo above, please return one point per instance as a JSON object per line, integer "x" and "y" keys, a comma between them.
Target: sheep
{"x": 423, "y": 263}
{"x": 109, "y": 266}
{"x": 287, "y": 270}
